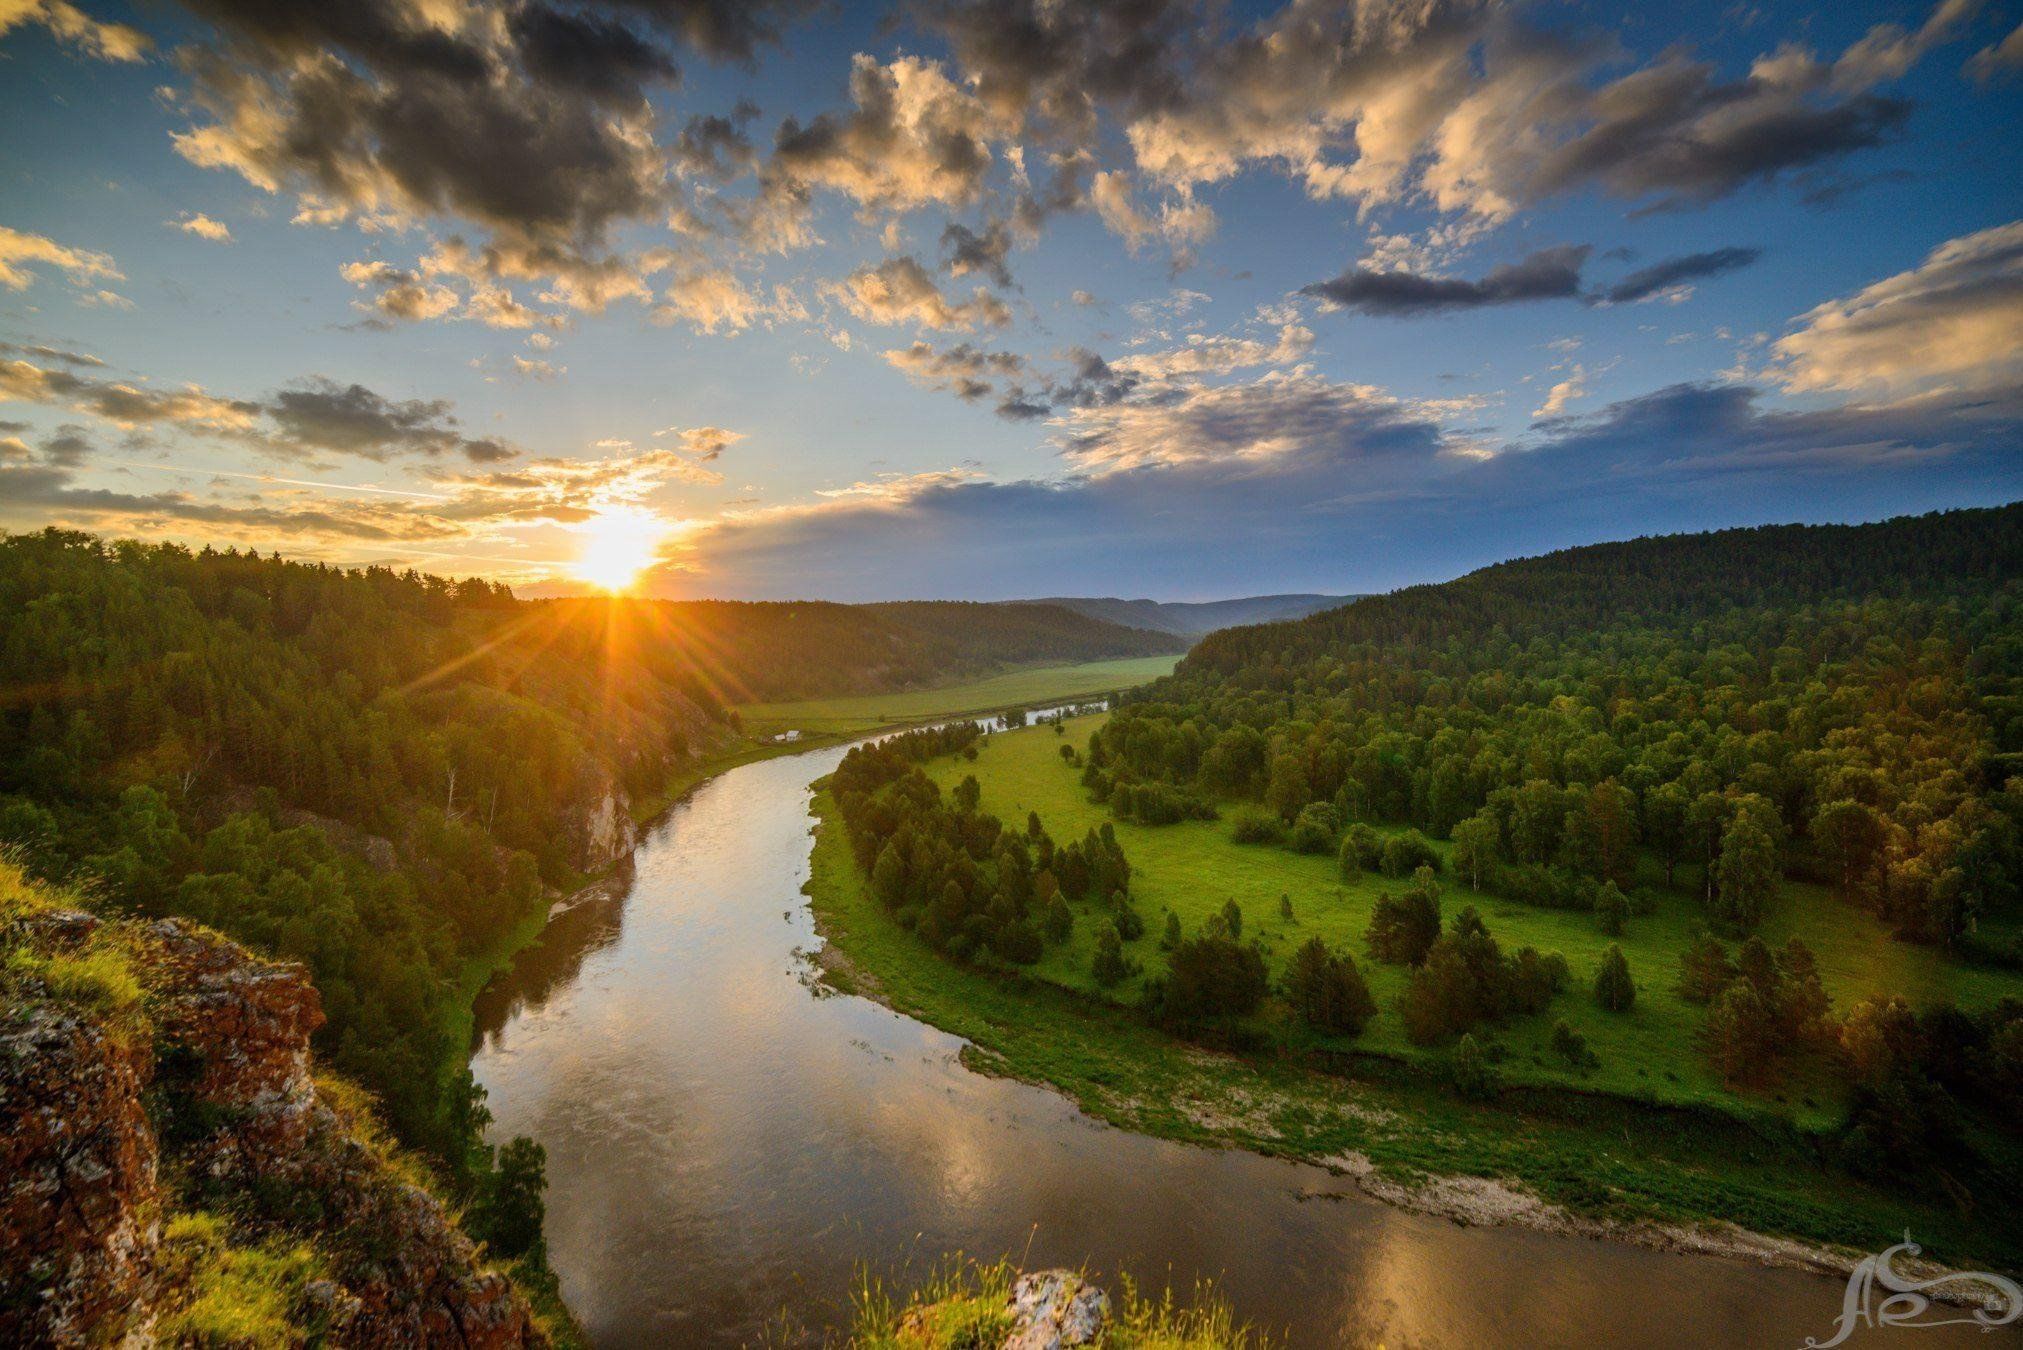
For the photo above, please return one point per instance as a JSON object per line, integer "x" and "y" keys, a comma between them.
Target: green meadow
{"x": 1030, "y": 687}
{"x": 1614, "y": 1166}
{"x": 1192, "y": 868}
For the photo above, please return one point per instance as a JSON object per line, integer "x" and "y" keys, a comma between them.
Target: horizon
{"x": 568, "y": 591}
{"x": 947, "y": 302}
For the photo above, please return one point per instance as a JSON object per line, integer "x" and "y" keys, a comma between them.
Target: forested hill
{"x": 763, "y": 651}
{"x": 1668, "y": 579}
{"x": 1836, "y": 703}
{"x": 1192, "y": 619}
{"x": 376, "y": 774}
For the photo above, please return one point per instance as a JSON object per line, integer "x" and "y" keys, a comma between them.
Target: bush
{"x": 1362, "y": 850}
{"x": 1403, "y": 930}
{"x": 1210, "y": 976}
{"x": 1058, "y": 921}
{"x": 1614, "y": 989}
{"x": 1254, "y": 825}
{"x": 1327, "y": 991}
{"x": 1572, "y": 1047}
{"x": 1109, "y": 968}
{"x": 1612, "y": 908}
{"x": 1130, "y": 926}
{"x": 1314, "y": 830}
{"x": 1171, "y": 938}
{"x": 1471, "y": 1072}
{"x": 1404, "y": 854}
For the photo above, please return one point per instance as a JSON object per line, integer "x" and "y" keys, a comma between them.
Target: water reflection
{"x": 727, "y": 1151}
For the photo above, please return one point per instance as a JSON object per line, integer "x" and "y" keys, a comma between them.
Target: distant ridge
{"x": 1197, "y": 619}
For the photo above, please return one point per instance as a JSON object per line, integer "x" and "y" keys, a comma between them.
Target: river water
{"x": 730, "y": 1145}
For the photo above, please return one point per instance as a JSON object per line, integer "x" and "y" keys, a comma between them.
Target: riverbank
{"x": 1647, "y": 1178}
{"x": 822, "y": 723}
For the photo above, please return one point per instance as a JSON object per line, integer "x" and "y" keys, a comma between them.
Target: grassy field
{"x": 1192, "y": 868}
{"x": 1618, "y": 1166}
{"x": 1029, "y": 688}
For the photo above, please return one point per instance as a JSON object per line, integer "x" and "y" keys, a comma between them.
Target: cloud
{"x": 1549, "y": 274}
{"x": 124, "y": 404}
{"x": 72, "y": 26}
{"x": 534, "y": 369}
{"x": 1574, "y": 386}
{"x": 1954, "y": 322}
{"x": 204, "y": 227}
{"x": 1674, "y": 272}
{"x": 900, "y": 291}
{"x": 911, "y": 138}
{"x": 704, "y": 443}
{"x": 965, "y": 370}
{"x": 1345, "y": 488}
{"x": 317, "y": 415}
{"x": 715, "y": 147}
{"x": 2005, "y": 57}
{"x": 42, "y": 352}
{"x": 81, "y": 267}
{"x": 1468, "y": 103}
{"x": 710, "y": 299}
{"x": 320, "y": 414}
{"x": 402, "y": 294}
{"x": 1182, "y": 223}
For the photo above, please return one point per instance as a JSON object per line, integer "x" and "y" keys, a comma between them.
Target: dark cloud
{"x": 316, "y": 416}
{"x": 601, "y": 57}
{"x": 352, "y": 419}
{"x": 716, "y": 147}
{"x": 968, "y": 251}
{"x": 1662, "y": 276}
{"x": 733, "y": 29}
{"x": 1549, "y": 274}
{"x": 68, "y": 448}
{"x": 1327, "y": 488}
{"x": 1062, "y": 63}
{"x": 45, "y": 353}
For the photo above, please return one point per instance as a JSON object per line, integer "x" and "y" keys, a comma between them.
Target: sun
{"x": 618, "y": 544}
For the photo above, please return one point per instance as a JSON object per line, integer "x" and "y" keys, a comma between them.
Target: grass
{"x": 1594, "y": 1154}
{"x": 1018, "y": 688}
{"x": 1190, "y": 869}
{"x": 962, "y": 1305}
{"x": 223, "y": 1293}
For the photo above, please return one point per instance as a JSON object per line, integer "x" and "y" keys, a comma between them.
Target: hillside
{"x": 175, "y": 1170}
{"x": 1722, "y": 828}
{"x": 1193, "y": 619}
{"x": 770, "y": 651}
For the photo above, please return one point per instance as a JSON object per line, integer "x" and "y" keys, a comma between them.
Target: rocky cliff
{"x": 171, "y": 1171}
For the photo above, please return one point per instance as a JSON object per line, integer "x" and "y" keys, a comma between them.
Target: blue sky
{"x": 1251, "y": 298}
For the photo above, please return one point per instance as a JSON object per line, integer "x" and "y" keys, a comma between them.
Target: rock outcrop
{"x": 210, "y": 1080}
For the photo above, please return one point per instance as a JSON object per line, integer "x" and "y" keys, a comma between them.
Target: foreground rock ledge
{"x": 225, "y": 1059}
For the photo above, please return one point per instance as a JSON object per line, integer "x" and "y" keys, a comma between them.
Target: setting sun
{"x": 618, "y": 545}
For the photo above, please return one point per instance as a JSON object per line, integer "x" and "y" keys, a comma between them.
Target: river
{"x": 730, "y": 1144}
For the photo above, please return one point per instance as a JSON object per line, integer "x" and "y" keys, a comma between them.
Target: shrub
{"x": 1058, "y": 921}
{"x": 1210, "y": 976}
{"x": 1252, "y": 825}
{"x": 1109, "y": 968}
{"x": 1171, "y": 938}
{"x": 1130, "y": 926}
{"x": 1473, "y": 1075}
{"x": 1612, "y": 907}
{"x": 1403, "y": 929}
{"x": 1404, "y": 854}
{"x": 1314, "y": 829}
{"x": 1572, "y": 1047}
{"x": 1327, "y": 991}
{"x": 1362, "y": 849}
{"x": 1614, "y": 989}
